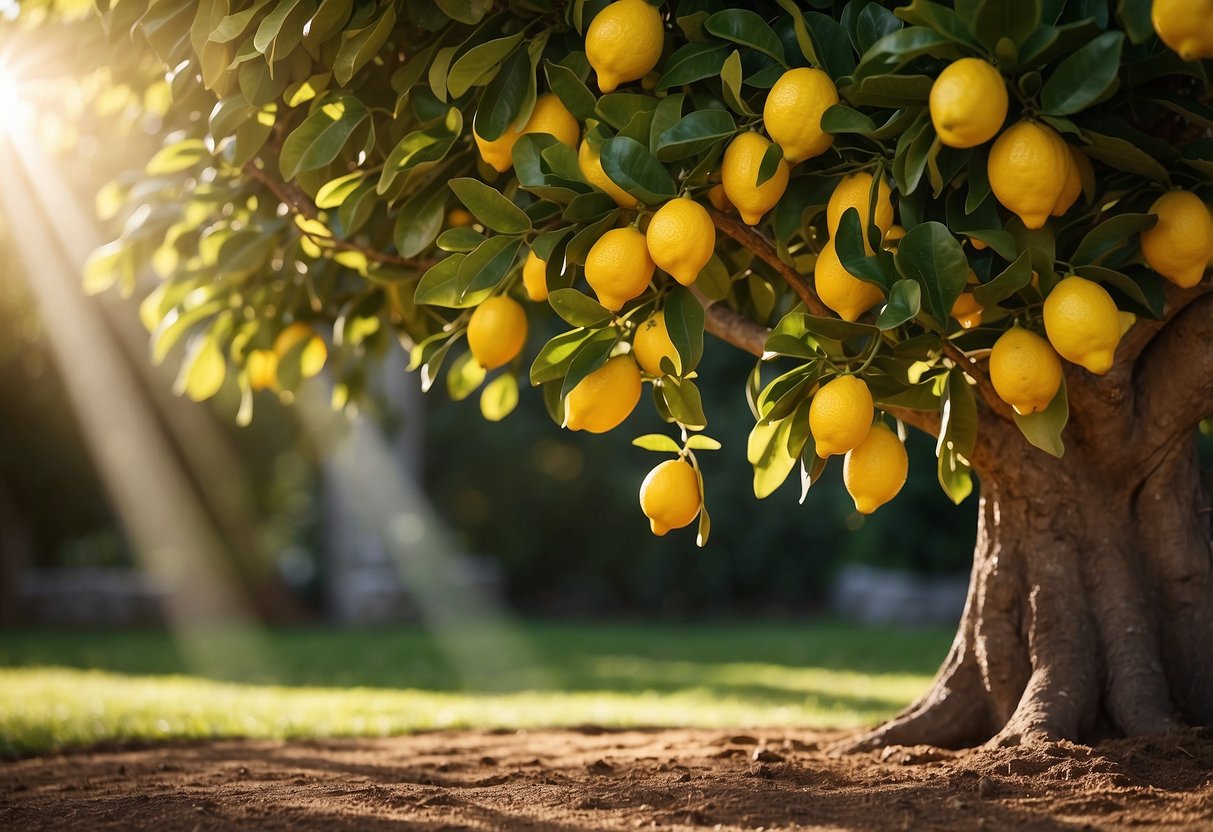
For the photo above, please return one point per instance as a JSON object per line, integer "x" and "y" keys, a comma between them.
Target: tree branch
{"x": 760, "y": 246}
{"x": 300, "y": 203}
{"x": 729, "y": 325}
{"x": 1173, "y": 381}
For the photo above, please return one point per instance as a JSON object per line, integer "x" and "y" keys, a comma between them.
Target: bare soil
{"x": 592, "y": 779}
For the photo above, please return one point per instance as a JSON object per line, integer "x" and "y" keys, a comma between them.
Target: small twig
{"x": 299, "y": 203}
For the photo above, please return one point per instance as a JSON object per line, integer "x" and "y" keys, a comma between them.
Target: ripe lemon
{"x": 262, "y": 367}
{"x": 838, "y": 289}
{"x": 719, "y": 199}
{"x": 591, "y": 169}
{"x": 624, "y": 42}
{"x": 549, "y": 116}
{"x": 618, "y": 267}
{"x": 792, "y": 113}
{"x": 652, "y": 343}
{"x": 535, "y": 277}
{"x": 876, "y": 470}
{"x": 314, "y": 353}
{"x": 840, "y": 415}
{"x": 967, "y": 311}
{"x": 1071, "y": 189}
{"x": 459, "y": 218}
{"x": 669, "y": 496}
{"x": 1025, "y": 371}
{"x": 854, "y": 191}
{"x": 1027, "y": 171}
{"x": 968, "y": 103}
{"x": 739, "y": 170}
{"x": 604, "y": 398}
{"x": 497, "y": 331}
{"x": 681, "y": 239}
{"x": 1178, "y": 246}
{"x": 1082, "y": 323}
{"x": 1186, "y": 26}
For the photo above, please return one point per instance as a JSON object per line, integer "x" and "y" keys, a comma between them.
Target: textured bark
{"x": 1090, "y": 609}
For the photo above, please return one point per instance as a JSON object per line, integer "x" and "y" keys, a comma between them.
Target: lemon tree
{"x": 983, "y": 219}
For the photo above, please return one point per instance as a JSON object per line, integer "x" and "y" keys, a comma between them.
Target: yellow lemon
{"x": 739, "y": 170}
{"x": 459, "y": 217}
{"x": 669, "y": 496}
{"x": 624, "y": 42}
{"x": 314, "y": 353}
{"x": 854, "y": 191}
{"x": 262, "y": 367}
{"x": 681, "y": 239}
{"x": 838, "y": 289}
{"x": 496, "y": 331}
{"x": 1186, "y": 26}
{"x": 1025, "y": 370}
{"x": 1072, "y": 188}
{"x": 549, "y": 116}
{"x": 893, "y": 236}
{"x": 968, "y": 103}
{"x": 840, "y": 415}
{"x": 719, "y": 199}
{"x": 535, "y": 277}
{"x": 876, "y": 470}
{"x": 1178, "y": 246}
{"x": 1083, "y": 324}
{"x": 1027, "y": 171}
{"x": 967, "y": 311}
{"x": 604, "y": 398}
{"x": 652, "y": 343}
{"x": 618, "y": 267}
{"x": 591, "y": 169}
{"x": 792, "y": 113}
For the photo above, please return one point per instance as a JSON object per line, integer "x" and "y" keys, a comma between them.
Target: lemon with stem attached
{"x": 669, "y": 496}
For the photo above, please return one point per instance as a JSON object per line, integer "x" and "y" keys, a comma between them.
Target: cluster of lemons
{"x": 1033, "y": 172}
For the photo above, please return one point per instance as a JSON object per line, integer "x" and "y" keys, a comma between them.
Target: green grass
{"x": 62, "y": 689}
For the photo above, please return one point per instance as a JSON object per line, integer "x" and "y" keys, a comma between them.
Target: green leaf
{"x": 930, "y": 255}
{"x": 418, "y": 147}
{"x": 439, "y": 286}
{"x": 500, "y": 397}
{"x": 849, "y": 246}
{"x": 695, "y": 133}
{"x": 771, "y": 449}
{"x": 504, "y": 97}
{"x": 684, "y": 401}
{"x": 905, "y": 299}
{"x": 464, "y": 377}
{"x": 358, "y": 48}
{"x": 588, "y": 358}
{"x": 799, "y": 323}
{"x": 554, "y": 358}
{"x": 335, "y": 192}
{"x": 419, "y": 220}
{"x": 471, "y": 66}
{"x": 827, "y": 41}
{"x": 203, "y": 370}
{"x": 571, "y": 90}
{"x": 177, "y": 157}
{"x": 700, "y": 442}
{"x": 1085, "y": 77}
{"x": 769, "y": 164}
{"x": 748, "y": 29}
{"x": 629, "y": 164}
{"x": 684, "y": 320}
{"x": 328, "y": 19}
{"x": 658, "y": 442}
{"x": 490, "y": 207}
{"x": 957, "y": 436}
{"x": 1110, "y": 235}
{"x": 1044, "y": 429}
{"x": 1011, "y": 280}
{"x": 1145, "y": 291}
{"x": 839, "y": 119}
{"x": 319, "y": 140}
{"x": 460, "y": 239}
{"x": 1124, "y": 154}
{"x": 992, "y": 20}
{"x": 486, "y": 267}
{"x": 578, "y": 309}
{"x": 731, "y": 78}
{"x": 465, "y": 11}
{"x": 244, "y": 252}
{"x": 693, "y": 62}
{"x": 282, "y": 29}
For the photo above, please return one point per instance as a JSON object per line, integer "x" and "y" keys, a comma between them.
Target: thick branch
{"x": 1173, "y": 380}
{"x": 299, "y": 203}
{"x": 733, "y": 327}
{"x": 755, "y": 242}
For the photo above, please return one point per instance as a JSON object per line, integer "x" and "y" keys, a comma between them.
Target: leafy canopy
{"x": 325, "y": 171}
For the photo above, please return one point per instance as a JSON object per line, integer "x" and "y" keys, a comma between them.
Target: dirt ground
{"x": 591, "y": 779}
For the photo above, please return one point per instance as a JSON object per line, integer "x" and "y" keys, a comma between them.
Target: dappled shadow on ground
{"x": 590, "y": 779}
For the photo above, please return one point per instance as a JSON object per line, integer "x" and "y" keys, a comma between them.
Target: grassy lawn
{"x": 61, "y": 689}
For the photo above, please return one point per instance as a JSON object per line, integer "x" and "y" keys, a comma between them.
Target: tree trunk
{"x": 1090, "y": 606}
